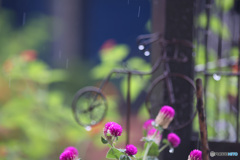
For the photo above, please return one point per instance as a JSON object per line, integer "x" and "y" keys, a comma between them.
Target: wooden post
{"x": 202, "y": 120}
{"x": 174, "y": 19}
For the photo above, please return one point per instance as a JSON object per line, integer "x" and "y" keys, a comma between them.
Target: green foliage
{"x": 153, "y": 151}
{"x": 225, "y": 5}
{"x": 215, "y": 25}
{"x": 114, "y": 153}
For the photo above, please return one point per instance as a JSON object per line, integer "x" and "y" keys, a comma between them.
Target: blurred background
{"x": 50, "y": 49}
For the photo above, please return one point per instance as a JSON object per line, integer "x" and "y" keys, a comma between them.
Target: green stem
{"x": 149, "y": 145}
{"x": 163, "y": 147}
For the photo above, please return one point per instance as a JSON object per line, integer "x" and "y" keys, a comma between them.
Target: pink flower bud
{"x": 148, "y": 124}
{"x": 157, "y": 137}
{"x": 67, "y": 155}
{"x": 113, "y": 129}
{"x": 174, "y": 139}
{"x": 195, "y": 155}
{"x": 165, "y": 116}
{"x": 73, "y": 150}
{"x": 131, "y": 150}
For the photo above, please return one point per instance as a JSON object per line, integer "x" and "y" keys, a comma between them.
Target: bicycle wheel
{"x": 183, "y": 80}
{"x": 89, "y": 106}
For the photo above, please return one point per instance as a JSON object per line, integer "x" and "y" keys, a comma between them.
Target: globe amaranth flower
{"x": 157, "y": 137}
{"x": 148, "y": 124}
{"x": 70, "y": 153}
{"x": 165, "y": 116}
{"x": 112, "y": 129}
{"x": 195, "y": 155}
{"x": 67, "y": 155}
{"x": 174, "y": 139}
{"x": 131, "y": 150}
{"x": 73, "y": 150}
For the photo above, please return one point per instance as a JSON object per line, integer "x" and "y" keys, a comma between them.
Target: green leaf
{"x": 165, "y": 141}
{"x": 153, "y": 151}
{"x": 124, "y": 157}
{"x": 104, "y": 141}
{"x": 114, "y": 153}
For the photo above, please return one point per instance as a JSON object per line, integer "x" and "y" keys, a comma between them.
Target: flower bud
{"x": 173, "y": 139}
{"x": 195, "y": 155}
{"x": 157, "y": 137}
{"x": 112, "y": 129}
{"x": 131, "y": 150}
{"x": 165, "y": 116}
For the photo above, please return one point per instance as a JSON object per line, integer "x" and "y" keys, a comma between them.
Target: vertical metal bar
{"x": 128, "y": 107}
{"x": 238, "y": 85}
{"x": 207, "y": 10}
{"x": 202, "y": 120}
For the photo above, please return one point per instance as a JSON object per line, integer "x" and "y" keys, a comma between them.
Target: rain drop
{"x": 216, "y": 77}
{"x": 93, "y": 122}
{"x": 141, "y": 47}
{"x": 147, "y": 53}
{"x": 139, "y": 9}
{"x": 171, "y": 150}
{"x": 60, "y": 54}
{"x": 24, "y": 18}
{"x": 88, "y": 128}
{"x": 67, "y": 63}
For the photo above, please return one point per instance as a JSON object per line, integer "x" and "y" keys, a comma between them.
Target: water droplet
{"x": 171, "y": 150}
{"x": 216, "y": 77}
{"x": 88, "y": 128}
{"x": 147, "y": 53}
{"x": 93, "y": 122}
{"x": 141, "y": 47}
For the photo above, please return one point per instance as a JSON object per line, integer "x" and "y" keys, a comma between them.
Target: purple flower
{"x": 174, "y": 139}
{"x": 148, "y": 124}
{"x": 67, "y": 155}
{"x": 165, "y": 116}
{"x": 131, "y": 150}
{"x": 113, "y": 129}
{"x": 73, "y": 150}
{"x": 195, "y": 155}
{"x": 158, "y": 136}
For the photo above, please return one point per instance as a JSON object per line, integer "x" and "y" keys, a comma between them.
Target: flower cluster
{"x": 70, "y": 153}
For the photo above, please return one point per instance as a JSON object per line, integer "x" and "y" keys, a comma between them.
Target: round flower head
{"x": 113, "y": 129}
{"x": 131, "y": 150}
{"x": 148, "y": 124}
{"x": 73, "y": 150}
{"x": 174, "y": 139}
{"x": 67, "y": 155}
{"x": 151, "y": 133}
{"x": 195, "y": 155}
{"x": 165, "y": 116}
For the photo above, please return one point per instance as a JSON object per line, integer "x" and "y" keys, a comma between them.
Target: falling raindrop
{"x": 141, "y": 47}
{"x": 139, "y": 9}
{"x": 67, "y": 63}
{"x": 88, "y": 128}
{"x": 128, "y": 1}
{"x": 60, "y": 54}
{"x": 9, "y": 83}
{"x": 24, "y": 18}
{"x": 216, "y": 77}
{"x": 171, "y": 150}
{"x": 147, "y": 53}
